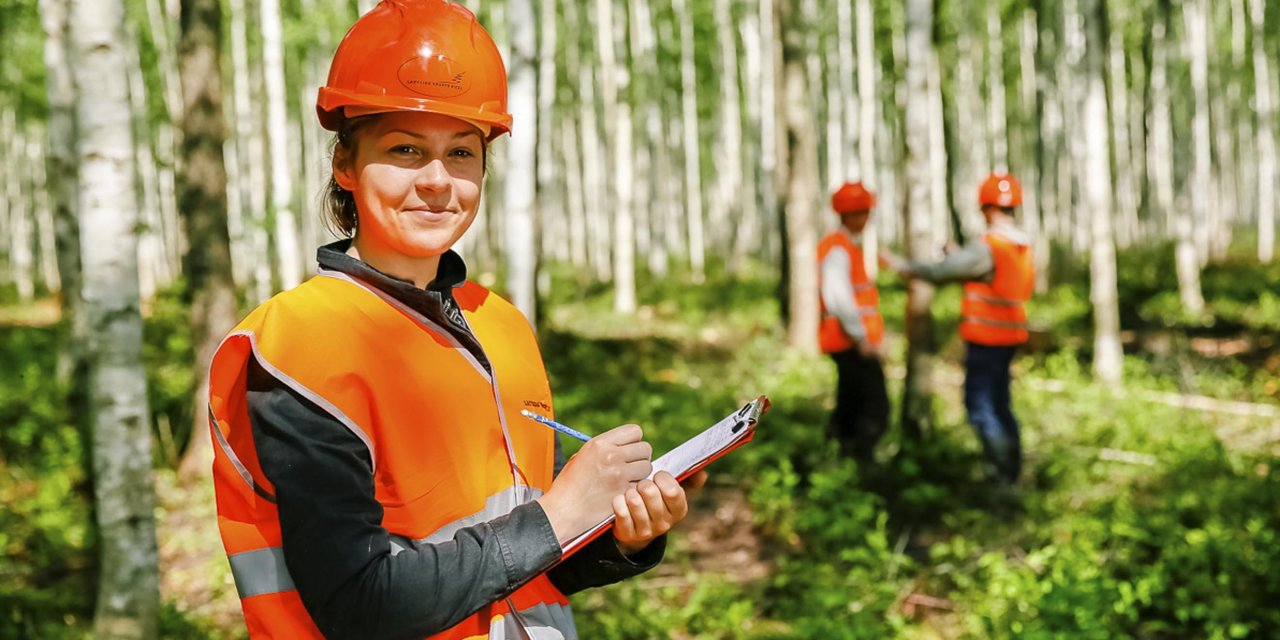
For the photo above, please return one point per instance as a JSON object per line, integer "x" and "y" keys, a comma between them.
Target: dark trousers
{"x": 987, "y": 401}
{"x": 862, "y": 404}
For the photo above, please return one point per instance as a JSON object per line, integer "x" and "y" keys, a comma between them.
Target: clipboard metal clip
{"x": 750, "y": 412}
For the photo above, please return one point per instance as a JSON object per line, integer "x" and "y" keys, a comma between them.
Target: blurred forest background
{"x": 656, "y": 213}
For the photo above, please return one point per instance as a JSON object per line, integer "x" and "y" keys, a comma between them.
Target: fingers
{"x": 695, "y": 481}
{"x": 626, "y": 434}
{"x": 672, "y": 496}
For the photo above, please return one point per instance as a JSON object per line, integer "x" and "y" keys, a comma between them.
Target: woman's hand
{"x": 650, "y": 509}
{"x": 604, "y": 468}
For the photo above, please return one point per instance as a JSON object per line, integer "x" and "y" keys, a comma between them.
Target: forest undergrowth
{"x": 1135, "y": 518}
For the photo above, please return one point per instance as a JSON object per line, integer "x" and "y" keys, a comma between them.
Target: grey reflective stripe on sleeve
{"x": 260, "y": 572}
{"x": 496, "y": 505}
{"x": 996, "y": 323}
{"x": 862, "y": 286}
{"x": 868, "y": 311}
{"x": 994, "y": 301}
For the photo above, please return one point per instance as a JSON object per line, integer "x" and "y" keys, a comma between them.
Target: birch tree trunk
{"x": 251, "y": 150}
{"x": 21, "y": 213}
{"x": 867, "y": 102}
{"x": 692, "y": 152}
{"x": 1160, "y": 156}
{"x": 1108, "y": 359}
{"x": 617, "y": 112}
{"x": 1190, "y": 227}
{"x": 917, "y": 398}
{"x": 802, "y": 182}
{"x": 202, "y": 198}
{"x": 726, "y": 205}
{"x": 550, "y": 201}
{"x": 286, "y": 225}
{"x": 521, "y": 171}
{"x": 1266, "y": 141}
{"x": 129, "y": 599}
{"x": 999, "y": 119}
{"x": 1126, "y": 198}
{"x": 1031, "y": 143}
{"x": 64, "y": 189}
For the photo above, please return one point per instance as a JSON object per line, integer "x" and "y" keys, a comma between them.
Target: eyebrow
{"x": 412, "y": 134}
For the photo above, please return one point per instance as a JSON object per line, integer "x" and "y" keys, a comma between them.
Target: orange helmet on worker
{"x": 428, "y": 56}
{"x": 1000, "y": 190}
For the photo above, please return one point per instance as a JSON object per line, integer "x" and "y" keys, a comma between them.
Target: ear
{"x": 342, "y": 170}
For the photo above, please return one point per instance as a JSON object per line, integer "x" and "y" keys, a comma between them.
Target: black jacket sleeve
{"x": 340, "y": 557}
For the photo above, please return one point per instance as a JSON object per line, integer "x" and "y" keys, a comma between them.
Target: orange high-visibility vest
{"x": 443, "y": 434}
{"x": 831, "y": 336}
{"x": 995, "y": 314}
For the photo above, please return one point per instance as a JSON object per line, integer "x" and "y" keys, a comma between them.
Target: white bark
{"x": 692, "y": 148}
{"x": 1108, "y": 357}
{"x": 727, "y": 203}
{"x": 153, "y": 266}
{"x": 286, "y": 225}
{"x": 21, "y": 212}
{"x": 1160, "y": 151}
{"x": 617, "y": 112}
{"x": 42, "y": 213}
{"x": 802, "y": 182}
{"x": 1266, "y": 141}
{"x": 1126, "y": 196}
{"x": 917, "y": 413}
{"x": 998, "y": 125}
{"x": 937, "y": 211}
{"x": 549, "y": 205}
{"x": 129, "y": 601}
{"x": 166, "y": 230}
{"x": 867, "y": 103}
{"x": 1028, "y": 41}
{"x": 249, "y": 245}
{"x": 1191, "y": 229}
{"x": 521, "y": 171}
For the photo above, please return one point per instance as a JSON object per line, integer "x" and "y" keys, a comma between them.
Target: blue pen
{"x": 555, "y": 425}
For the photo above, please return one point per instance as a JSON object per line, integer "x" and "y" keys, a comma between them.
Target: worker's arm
{"x": 970, "y": 262}
{"x": 837, "y": 294}
{"x": 340, "y": 557}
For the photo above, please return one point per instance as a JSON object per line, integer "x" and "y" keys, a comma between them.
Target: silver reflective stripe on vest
{"x": 235, "y": 460}
{"x": 496, "y": 505}
{"x": 260, "y": 572}
{"x": 317, "y": 399}
{"x": 862, "y": 286}
{"x": 996, "y": 323}
{"x": 868, "y": 311}
{"x": 996, "y": 302}
{"x": 539, "y": 622}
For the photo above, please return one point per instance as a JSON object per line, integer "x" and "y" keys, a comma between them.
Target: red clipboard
{"x": 692, "y": 456}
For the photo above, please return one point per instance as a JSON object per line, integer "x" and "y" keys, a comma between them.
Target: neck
{"x": 419, "y": 271}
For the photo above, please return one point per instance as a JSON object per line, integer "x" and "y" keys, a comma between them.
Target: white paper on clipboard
{"x": 694, "y": 454}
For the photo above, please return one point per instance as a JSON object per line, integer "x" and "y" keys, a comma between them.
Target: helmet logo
{"x": 434, "y": 77}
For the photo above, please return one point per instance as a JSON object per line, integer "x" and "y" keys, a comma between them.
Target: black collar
{"x": 452, "y": 272}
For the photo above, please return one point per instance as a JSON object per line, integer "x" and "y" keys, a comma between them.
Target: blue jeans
{"x": 987, "y": 401}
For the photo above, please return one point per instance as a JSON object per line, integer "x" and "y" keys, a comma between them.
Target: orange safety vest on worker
{"x": 831, "y": 336}
{"x": 433, "y": 417}
{"x": 995, "y": 314}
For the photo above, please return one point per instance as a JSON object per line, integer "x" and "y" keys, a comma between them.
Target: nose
{"x": 433, "y": 177}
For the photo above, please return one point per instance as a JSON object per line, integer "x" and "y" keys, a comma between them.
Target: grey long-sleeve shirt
{"x": 973, "y": 261}
{"x": 837, "y": 293}
{"x": 338, "y": 554}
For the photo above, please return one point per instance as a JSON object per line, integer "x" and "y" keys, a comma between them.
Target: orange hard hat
{"x": 1000, "y": 189}
{"x": 417, "y": 55}
{"x": 852, "y": 197}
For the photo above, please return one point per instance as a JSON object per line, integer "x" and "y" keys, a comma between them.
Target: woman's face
{"x": 416, "y": 181}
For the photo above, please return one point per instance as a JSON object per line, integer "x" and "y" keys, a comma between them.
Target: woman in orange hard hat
{"x": 998, "y": 274}
{"x": 852, "y": 330}
{"x": 374, "y": 476}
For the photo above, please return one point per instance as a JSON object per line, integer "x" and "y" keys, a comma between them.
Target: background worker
{"x": 852, "y": 330}
{"x": 998, "y": 274}
{"x": 374, "y": 476}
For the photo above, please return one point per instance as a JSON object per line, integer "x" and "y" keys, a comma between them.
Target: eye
{"x": 404, "y": 149}
{"x": 462, "y": 152}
